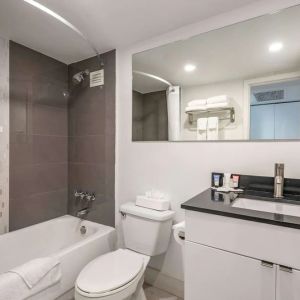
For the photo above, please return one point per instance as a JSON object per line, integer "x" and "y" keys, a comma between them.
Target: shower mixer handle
{"x": 77, "y": 193}
{"x": 90, "y": 197}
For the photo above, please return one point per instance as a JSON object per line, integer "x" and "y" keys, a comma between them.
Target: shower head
{"x": 80, "y": 76}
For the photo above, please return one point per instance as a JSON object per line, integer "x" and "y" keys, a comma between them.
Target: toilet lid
{"x": 110, "y": 271}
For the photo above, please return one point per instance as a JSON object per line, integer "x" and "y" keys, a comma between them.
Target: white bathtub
{"x": 60, "y": 237}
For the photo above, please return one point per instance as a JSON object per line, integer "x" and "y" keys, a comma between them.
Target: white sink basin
{"x": 268, "y": 206}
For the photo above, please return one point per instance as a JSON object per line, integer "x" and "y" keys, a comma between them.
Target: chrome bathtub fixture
{"x": 85, "y": 203}
{"x": 278, "y": 180}
{"x": 82, "y": 213}
{"x": 79, "y": 194}
{"x": 90, "y": 197}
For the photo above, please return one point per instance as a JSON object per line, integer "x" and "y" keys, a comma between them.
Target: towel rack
{"x": 229, "y": 110}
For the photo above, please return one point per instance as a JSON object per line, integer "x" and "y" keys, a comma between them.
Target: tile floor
{"x": 153, "y": 293}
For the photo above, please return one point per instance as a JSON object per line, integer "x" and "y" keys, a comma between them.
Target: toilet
{"x": 119, "y": 275}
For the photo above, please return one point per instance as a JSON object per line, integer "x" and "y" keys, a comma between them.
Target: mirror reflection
{"x": 241, "y": 82}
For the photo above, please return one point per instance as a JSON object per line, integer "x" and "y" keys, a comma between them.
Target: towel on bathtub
{"x": 33, "y": 271}
{"x": 29, "y": 279}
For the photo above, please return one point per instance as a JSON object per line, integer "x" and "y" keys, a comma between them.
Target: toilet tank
{"x": 145, "y": 230}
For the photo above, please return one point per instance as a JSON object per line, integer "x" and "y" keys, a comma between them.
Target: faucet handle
{"x": 77, "y": 193}
{"x": 84, "y": 195}
{"x": 90, "y": 197}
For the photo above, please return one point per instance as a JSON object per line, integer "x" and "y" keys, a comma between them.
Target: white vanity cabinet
{"x": 287, "y": 284}
{"x": 233, "y": 259}
{"x": 213, "y": 274}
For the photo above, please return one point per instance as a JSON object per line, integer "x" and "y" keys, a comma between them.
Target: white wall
{"x": 4, "y": 134}
{"x": 182, "y": 170}
{"x": 227, "y": 131}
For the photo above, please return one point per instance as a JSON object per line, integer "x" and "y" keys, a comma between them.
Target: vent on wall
{"x": 97, "y": 78}
{"x": 269, "y": 96}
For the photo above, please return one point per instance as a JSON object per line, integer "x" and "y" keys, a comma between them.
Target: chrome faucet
{"x": 278, "y": 180}
{"x": 82, "y": 213}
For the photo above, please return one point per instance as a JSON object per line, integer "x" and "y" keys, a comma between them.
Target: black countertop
{"x": 216, "y": 203}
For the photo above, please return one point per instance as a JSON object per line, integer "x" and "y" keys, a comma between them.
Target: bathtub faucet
{"x": 83, "y": 212}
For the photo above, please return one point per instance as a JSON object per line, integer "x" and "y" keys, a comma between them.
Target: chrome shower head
{"x": 80, "y": 76}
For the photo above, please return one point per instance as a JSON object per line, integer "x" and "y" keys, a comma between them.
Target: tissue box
{"x": 152, "y": 203}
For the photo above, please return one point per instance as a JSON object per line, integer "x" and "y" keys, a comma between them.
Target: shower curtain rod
{"x": 153, "y": 77}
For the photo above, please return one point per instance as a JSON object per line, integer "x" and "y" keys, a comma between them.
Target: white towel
{"x": 213, "y": 128}
{"x": 217, "y": 105}
{"x": 14, "y": 287}
{"x": 33, "y": 271}
{"x": 201, "y": 129}
{"x": 218, "y": 99}
{"x": 196, "y": 108}
{"x": 197, "y": 102}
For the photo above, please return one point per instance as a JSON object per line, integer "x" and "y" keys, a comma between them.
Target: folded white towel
{"x": 217, "y": 105}
{"x": 14, "y": 287}
{"x": 197, "y": 102}
{"x": 213, "y": 128}
{"x": 33, "y": 271}
{"x": 202, "y": 123}
{"x": 201, "y": 129}
{"x": 212, "y": 122}
{"x": 217, "y": 99}
{"x": 195, "y": 108}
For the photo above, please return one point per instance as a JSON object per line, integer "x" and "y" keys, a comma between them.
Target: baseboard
{"x": 164, "y": 282}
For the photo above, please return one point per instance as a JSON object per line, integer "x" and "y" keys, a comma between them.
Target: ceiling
{"x": 239, "y": 51}
{"x": 108, "y": 24}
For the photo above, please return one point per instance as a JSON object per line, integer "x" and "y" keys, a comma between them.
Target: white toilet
{"x": 119, "y": 275}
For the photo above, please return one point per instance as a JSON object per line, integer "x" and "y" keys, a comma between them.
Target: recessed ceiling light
{"x": 189, "y": 68}
{"x": 275, "y": 47}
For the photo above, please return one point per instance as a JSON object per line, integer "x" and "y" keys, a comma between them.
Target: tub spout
{"x": 82, "y": 213}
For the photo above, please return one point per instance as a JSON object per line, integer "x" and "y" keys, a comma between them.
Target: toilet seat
{"x": 110, "y": 273}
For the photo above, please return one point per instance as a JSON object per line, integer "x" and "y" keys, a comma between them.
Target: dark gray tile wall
{"x": 59, "y": 143}
{"x": 150, "y": 116}
{"x": 137, "y": 116}
{"x": 92, "y": 139}
{"x": 38, "y": 137}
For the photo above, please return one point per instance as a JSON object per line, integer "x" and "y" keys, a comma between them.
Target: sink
{"x": 268, "y": 206}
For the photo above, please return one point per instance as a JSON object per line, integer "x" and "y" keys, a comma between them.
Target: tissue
{"x": 153, "y": 200}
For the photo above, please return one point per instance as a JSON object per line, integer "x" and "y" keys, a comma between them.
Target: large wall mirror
{"x": 241, "y": 82}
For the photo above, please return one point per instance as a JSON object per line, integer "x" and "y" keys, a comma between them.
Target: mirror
{"x": 241, "y": 82}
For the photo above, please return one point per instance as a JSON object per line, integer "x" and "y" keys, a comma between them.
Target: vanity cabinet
{"x": 233, "y": 259}
{"x": 213, "y": 274}
{"x": 287, "y": 284}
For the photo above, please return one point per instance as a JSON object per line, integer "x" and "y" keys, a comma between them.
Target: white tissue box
{"x": 152, "y": 203}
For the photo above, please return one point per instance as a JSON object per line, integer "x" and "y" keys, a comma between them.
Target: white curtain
{"x": 173, "y": 103}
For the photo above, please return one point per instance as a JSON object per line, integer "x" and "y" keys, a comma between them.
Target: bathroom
{"x": 75, "y": 146}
